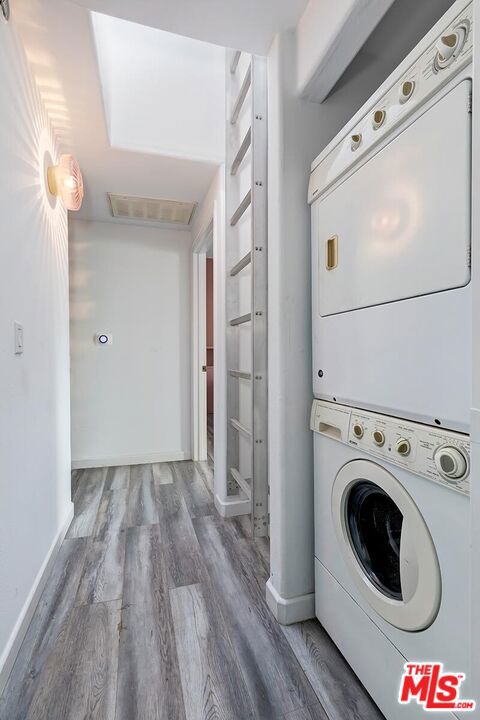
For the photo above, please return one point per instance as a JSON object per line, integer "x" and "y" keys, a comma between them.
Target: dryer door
{"x": 387, "y": 545}
{"x": 399, "y": 226}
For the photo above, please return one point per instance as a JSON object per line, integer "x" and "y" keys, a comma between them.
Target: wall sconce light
{"x": 65, "y": 180}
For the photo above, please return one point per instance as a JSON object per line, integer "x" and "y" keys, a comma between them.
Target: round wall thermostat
{"x": 103, "y": 338}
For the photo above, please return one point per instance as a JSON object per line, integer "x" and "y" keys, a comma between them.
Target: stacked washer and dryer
{"x": 391, "y": 227}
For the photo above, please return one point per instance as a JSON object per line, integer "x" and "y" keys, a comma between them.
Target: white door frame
{"x": 201, "y": 244}
{"x": 212, "y": 215}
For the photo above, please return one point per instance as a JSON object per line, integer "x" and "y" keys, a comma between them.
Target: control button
{"x": 403, "y": 447}
{"x": 358, "y": 430}
{"x": 451, "y": 463}
{"x": 356, "y": 141}
{"x": 378, "y": 119}
{"x": 379, "y": 438}
{"x": 406, "y": 91}
{"x": 449, "y": 46}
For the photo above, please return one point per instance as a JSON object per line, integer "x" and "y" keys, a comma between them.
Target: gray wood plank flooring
{"x": 112, "y": 513}
{"x": 86, "y": 500}
{"x": 212, "y": 682}
{"x": 81, "y": 684}
{"x": 48, "y": 622}
{"x": 145, "y": 570}
{"x": 141, "y": 497}
{"x": 117, "y": 478}
{"x": 75, "y": 478}
{"x": 183, "y": 556}
{"x": 337, "y": 688}
{"x": 149, "y": 686}
{"x": 102, "y": 577}
{"x": 316, "y": 712}
{"x": 279, "y": 685}
{"x": 162, "y": 474}
{"x": 190, "y": 481}
{"x": 155, "y": 610}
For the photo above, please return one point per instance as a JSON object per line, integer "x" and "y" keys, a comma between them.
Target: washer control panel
{"x": 443, "y": 58}
{"x": 440, "y": 455}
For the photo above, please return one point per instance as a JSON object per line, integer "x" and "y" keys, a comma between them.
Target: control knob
{"x": 403, "y": 447}
{"x": 378, "y": 119}
{"x": 451, "y": 463}
{"x": 355, "y": 141}
{"x": 379, "y": 438}
{"x": 405, "y": 91}
{"x": 358, "y": 430}
{"x": 449, "y": 46}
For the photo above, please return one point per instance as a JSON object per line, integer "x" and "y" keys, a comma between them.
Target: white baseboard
{"x": 289, "y": 610}
{"x": 153, "y": 457}
{"x": 17, "y": 635}
{"x": 235, "y": 506}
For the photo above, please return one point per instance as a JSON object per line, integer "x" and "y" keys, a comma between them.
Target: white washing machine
{"x": 391, "y": 222}
{"x": 391, "y": 546}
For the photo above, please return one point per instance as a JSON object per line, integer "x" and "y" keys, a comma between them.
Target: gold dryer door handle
{"x": 331, "y": 252}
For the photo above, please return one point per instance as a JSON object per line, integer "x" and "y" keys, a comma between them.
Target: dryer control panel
{"x": 434, "y": 63}
{"x": 440, "y": 455}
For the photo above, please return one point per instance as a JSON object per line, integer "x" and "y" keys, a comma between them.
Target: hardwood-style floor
{"x": 210, "y": 436}
{"x": 155, "y": 610}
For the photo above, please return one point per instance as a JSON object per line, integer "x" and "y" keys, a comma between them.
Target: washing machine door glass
{"x": 386, "y": 544}
{"x": 375, "y": 527}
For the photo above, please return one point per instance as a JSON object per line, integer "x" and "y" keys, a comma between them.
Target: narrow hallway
{"x": 155, "y": 609}
{"x": 240, "y": 411}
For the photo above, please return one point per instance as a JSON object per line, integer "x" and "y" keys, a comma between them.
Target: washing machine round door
{"x": 387, "y": 545}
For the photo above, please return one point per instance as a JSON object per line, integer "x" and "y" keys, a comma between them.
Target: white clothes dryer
{"x": 391, "y": 226}
{"x": 391, "y": 546}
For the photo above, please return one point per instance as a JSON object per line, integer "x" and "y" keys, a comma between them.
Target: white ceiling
{"x": 247, "y": 25}
{"x": 168, "y": 96}
{"x": 60, "y": 47}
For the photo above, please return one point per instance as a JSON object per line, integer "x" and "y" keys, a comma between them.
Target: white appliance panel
{"x": 410, "y": 359}
{"x": 360, "y": 641}
{"x": 380, "y": 435}
{"x": 401, "y": 222}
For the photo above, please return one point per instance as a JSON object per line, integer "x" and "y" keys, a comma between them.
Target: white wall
{"x": 34, "y": 397}
{"x": 329, "y": 35}
{"x": 298, "y": 130}
{"x": 294, "y": 139}
{"x": 248, "y": 25}
{"x": 130, "y": 400}
{"x": 167, "y": 96}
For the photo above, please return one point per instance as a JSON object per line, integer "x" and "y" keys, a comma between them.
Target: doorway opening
{"x": 210, "y": 350}
{"x": 203, "y": 346}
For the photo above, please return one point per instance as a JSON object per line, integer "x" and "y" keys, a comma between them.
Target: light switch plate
{"x": 18, "y": 338}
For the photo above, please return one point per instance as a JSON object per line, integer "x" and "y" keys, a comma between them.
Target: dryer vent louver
{"x": 158, "y": 210}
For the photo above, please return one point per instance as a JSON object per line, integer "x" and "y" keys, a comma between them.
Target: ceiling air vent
{"x": 172, "y": 212}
